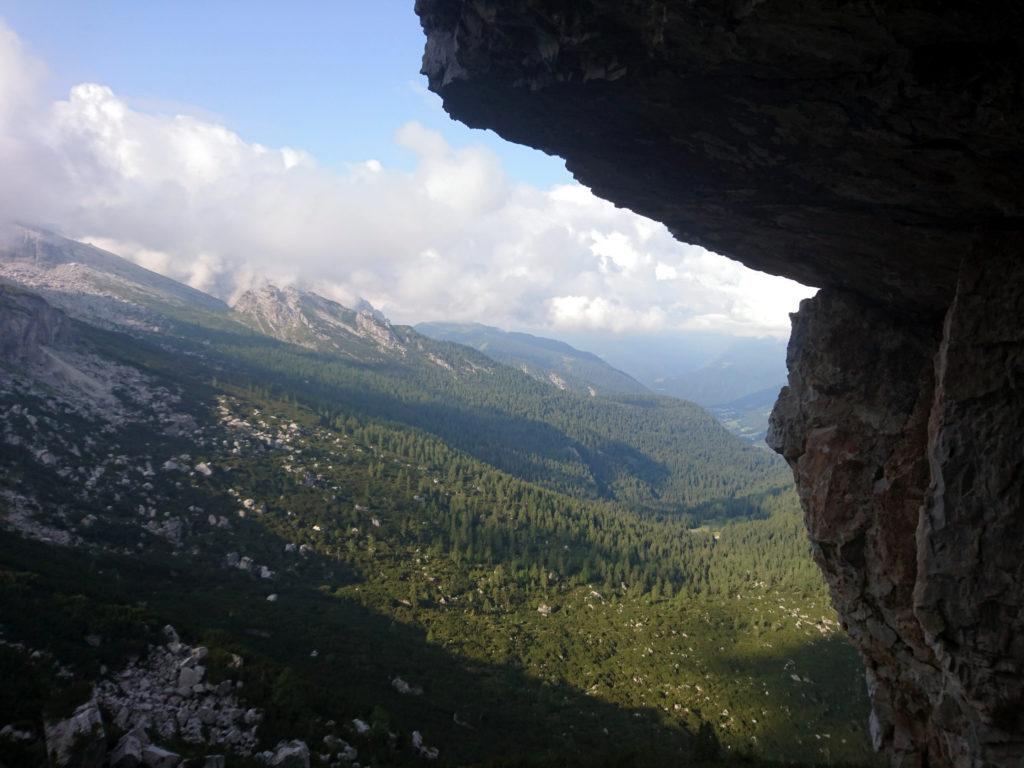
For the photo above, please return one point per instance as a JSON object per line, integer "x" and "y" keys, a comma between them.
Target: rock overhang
{"x": 853, "y": 145}
{"x": 875, "y": 150}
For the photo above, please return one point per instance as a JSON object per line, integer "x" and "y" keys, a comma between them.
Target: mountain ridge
{"x": 95, "y": 284}
{"x": 659, "y": 454}
{"x": 306, "y": 318}
{"x": 545, "y": 359}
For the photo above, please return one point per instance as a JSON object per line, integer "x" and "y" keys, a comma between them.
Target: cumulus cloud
{"x": 452, "y": 239}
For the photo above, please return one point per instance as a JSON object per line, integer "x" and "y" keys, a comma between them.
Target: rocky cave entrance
{"x": 876, "y": 150}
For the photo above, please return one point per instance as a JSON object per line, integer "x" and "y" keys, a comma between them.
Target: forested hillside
{"x": 547, "y": 360}
{"x": 391, "y": 552}
{"x": 656, "y": 453}
{"x": 506, "y": 621}
{"x": 660, "y": 454}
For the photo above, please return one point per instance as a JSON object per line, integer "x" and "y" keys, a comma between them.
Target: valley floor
{"x": 320, "y": 559}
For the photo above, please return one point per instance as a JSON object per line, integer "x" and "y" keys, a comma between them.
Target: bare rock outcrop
{"x": 970, "y": 591}
{"x": 853, "y": 423}
{"x": 906, "y": 451}
{"x": 874, "y": 150}
{"x": 168, "y": 695}
{"x": 80, "y": 741}
{"x": 27, "y": 325}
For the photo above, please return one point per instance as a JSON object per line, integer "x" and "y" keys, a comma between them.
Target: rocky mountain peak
{"x": 272, "y": 305}
{"x": 303, "y": 317}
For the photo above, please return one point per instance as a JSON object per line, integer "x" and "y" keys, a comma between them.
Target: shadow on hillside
{"x": 813, "y": 682}
{"x": 476, "y": 713}
{"x": 504, "y": 717}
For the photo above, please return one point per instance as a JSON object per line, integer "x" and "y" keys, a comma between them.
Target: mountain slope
{"x": 656, "y": 454}
{"x": 659, "y": 453}
{"x": 97, "y": 285}
{"x": 310, "y": 320}
{"x": 547, "y": 360}
{"x": 224, "y": 564}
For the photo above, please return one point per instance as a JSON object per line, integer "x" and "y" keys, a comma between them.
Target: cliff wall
{"x": 875, "y": 150}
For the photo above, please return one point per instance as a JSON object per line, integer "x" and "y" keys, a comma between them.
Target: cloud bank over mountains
{"x": 453, "y": 239}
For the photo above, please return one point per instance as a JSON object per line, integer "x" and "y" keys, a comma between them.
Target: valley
{"x": 389, "y": 548}
{"x": 545, "y": 359}
{"x": 737, "y": 380}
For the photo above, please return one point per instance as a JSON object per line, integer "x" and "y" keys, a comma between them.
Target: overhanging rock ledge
{"x": 876, "y": 150}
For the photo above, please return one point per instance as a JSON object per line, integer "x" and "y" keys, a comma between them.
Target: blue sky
{"x": 336, "y": 79}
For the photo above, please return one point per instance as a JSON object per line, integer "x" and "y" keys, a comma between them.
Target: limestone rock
{"x": 429, "y": 753}
{"x": 165, "y": 694}
{"x": 79, "y": 741}
{"x": 293, "y": 754}
{"x": 28, "y": 324}
{"x": 403, "y": 687}
{"x": 158, "y": 757}
{"x": 128, "y": 752}
{"x": 853, "y": 423}
{"x": 969, "y": 592}
{"x": 905, "y": 447}
{"x": 303, "y": 317}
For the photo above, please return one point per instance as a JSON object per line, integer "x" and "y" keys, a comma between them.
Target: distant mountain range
{"x": 737, "y": 380}
{"x": 554, "y": 362}
{"x": 618, "y": 442}
{"x": 739, "y": 386}
{"x": 738, "y": 383}
{"x": 747, "y": 366}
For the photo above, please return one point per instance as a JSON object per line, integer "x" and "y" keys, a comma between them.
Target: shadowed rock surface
{"x": 27, "y": 325}
{"x": 849, "y": 144}
{"x": 875, "y": 150}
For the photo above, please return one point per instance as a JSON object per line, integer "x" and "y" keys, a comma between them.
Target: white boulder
{"x": 292, "y": 754}
{"x": 79, "y": 741}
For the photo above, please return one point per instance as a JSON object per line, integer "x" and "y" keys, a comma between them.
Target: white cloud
{"x": 663, "y": 271}
{"x": 599, "y": 313}
{"x": 454, "y": 238}
{"x": 20, "y": 77}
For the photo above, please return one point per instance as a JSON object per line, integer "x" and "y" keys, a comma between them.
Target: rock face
{"x": 853, "y": 144}
{"x": 874, "y": 150}
{"x": 853, "y": 425}
{"x": 27, "y": 324}
{"x": 906, "y": 451}
{"x": 303, "y": 317}
{"x": 79, "y": 741}
{"x": 292, "y": 754}
{"x": 969, "y": 590}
